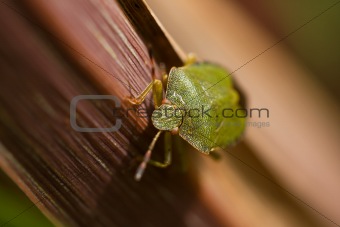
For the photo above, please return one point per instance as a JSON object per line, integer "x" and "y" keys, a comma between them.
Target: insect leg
{"x": 157, "y": 92}
{"x": 155, "y": 85}
{"x": 167, "y": 153}
{"x": 141, "y": 97}
{"x": 191, "y": 59}
{"x": 215, "y": 155}
{"x": 146, "y": 159}
{"x": 165, "y": 79}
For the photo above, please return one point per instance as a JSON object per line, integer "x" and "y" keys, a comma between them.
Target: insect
{"x": 198, "y": 106}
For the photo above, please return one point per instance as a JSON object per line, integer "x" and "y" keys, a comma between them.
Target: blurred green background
{"x": 13, "y": 201}
{"x": 316, "y": 44}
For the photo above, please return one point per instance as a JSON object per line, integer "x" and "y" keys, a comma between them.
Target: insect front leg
{"x": 156, "y": 87}
{"x": 141, "y": 97}
{"x": 167, "y": 153}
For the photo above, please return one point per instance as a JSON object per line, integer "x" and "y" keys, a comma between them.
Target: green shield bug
{"x": 198, "y": 106}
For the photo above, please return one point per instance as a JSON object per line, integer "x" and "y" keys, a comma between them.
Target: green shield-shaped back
{"x": 206, "y": 93}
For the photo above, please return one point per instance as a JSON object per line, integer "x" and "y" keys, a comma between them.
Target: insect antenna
{"x": 142, "y": 166}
